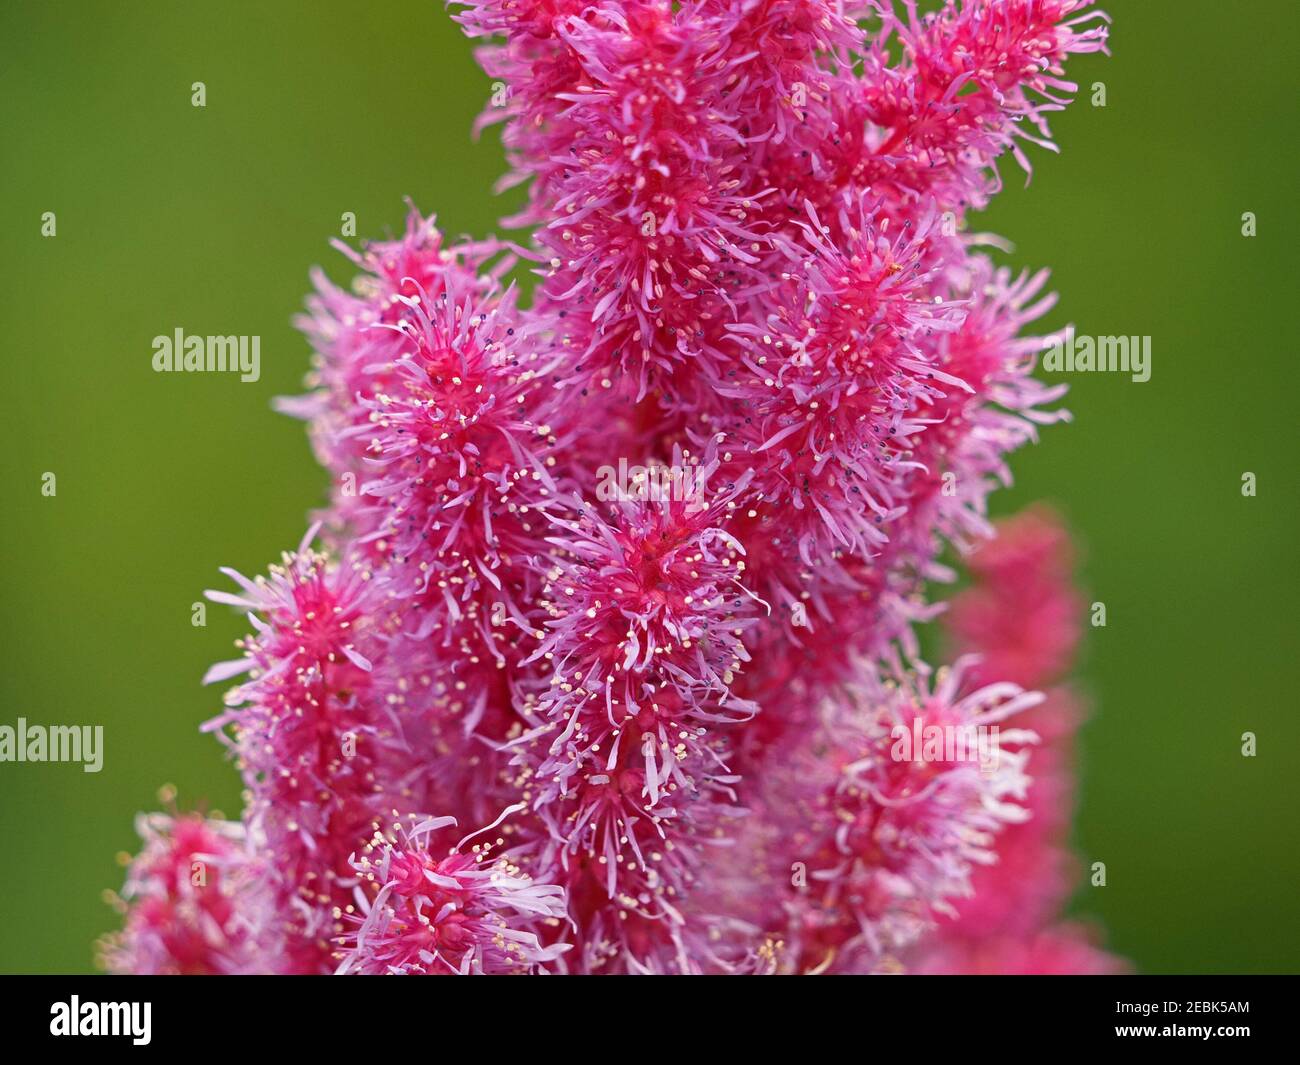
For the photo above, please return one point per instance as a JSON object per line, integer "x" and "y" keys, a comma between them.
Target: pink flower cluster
{"x": 1021, "y": 616}
{"x": 665, "y": 723}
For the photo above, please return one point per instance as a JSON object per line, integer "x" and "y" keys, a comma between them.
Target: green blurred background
{"x": 169, "y": 215}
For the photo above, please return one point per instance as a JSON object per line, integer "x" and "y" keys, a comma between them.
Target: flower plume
{"x": 689, "y": 702}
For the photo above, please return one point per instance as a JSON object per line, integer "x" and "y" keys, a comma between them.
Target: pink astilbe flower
{"x": 831, "y": 376}
{"x": 644, "y": 623}
{"x": 356, "y": 356}
{"x": 891, "y": 838}
{"x": 652, "y": 239}
{"x": 444, "y": 912}
{"x": 977, "y": 79}
{"x": 192, "y": 902}
{"x": 749, "y": 226}
{"x": 456, "y": 464}
{"x": 1022, "y": 616}
{"x": 961, "y": 456}
{"x": 307, "y": 727}
{"x": 645, "y": 618}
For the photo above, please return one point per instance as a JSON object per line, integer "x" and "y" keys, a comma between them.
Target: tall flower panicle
{"x": 832, "y": 376}
{"x": 921, "y": 778}
{"x": 977, "y": 80}
{"x": 1021, "y": 616}
{"x": 355, "y": 354}
{"x": 456, "y": 463}
{"x": 642, "y": 559}
{"x": 650, "y": 233}
{"x": 308, "y": 727}
{"x": 641, "y": 643}
{"x": 645, "y": 617}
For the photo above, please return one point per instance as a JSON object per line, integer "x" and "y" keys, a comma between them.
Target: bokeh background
{"x": 208, "y": 219}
